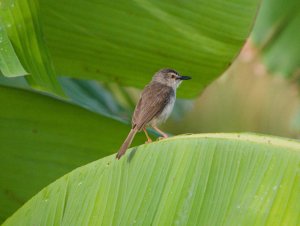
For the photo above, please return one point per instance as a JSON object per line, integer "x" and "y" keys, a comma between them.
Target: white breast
{"x": 166, "y": 112}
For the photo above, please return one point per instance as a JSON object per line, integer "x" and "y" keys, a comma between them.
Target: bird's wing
{"x": 153, "y": 100}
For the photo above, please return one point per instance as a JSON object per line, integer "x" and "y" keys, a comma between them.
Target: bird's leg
{"x": 164, "y": 135}
{"x": 148, "y": 137}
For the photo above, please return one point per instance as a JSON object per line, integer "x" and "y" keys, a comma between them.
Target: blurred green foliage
{"x": 276, "y": 34}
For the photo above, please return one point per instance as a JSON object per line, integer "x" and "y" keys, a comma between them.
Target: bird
{"x": 154, "y": 106}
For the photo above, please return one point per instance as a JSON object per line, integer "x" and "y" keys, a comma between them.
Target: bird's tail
{"x": 126, "y": 143}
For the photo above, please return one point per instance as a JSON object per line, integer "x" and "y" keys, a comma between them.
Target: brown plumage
{"x": 155, "y": 105}
{"x": 152, "y": 102}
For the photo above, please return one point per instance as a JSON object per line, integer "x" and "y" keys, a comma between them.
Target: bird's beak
{"x": 184, "y": 77}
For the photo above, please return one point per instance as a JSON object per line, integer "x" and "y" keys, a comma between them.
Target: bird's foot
{"x": 148, "y": 141}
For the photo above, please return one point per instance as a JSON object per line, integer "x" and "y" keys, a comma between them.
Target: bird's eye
{"x": 173, "y": 76}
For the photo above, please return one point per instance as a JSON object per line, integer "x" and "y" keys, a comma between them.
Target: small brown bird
{"x": 155, "y": 105}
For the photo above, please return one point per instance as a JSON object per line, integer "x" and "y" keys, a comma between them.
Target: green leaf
{"x": 127, "y": 41}
{"x": 44, "y": 138}
{"x": 10, "y": 65}
{"x": 208, "y": 179}
{"x": 21, "y": 19}
{"x": 93, "y": 96}
{"x": 277, "y": 33}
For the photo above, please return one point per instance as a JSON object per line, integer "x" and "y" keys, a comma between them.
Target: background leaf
{"x": 22, "y": 23}
{"x": 208, "y": 179}
{"x": 126, "y": 42}
{"x": 276, "y": 33}
{"x": 10, "y": 65}
{"x": 95, "y": 97}
{"x": 43, "y": 138}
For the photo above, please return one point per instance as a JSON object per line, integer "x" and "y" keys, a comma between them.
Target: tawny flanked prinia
{"x": 155, "y": 105}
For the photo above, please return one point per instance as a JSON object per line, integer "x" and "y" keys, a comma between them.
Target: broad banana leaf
{"x": 277, "y": 34}
{"x": 127, "y": 41}
{"x": 42, "y": 138}
{"x": 208, "y": 179}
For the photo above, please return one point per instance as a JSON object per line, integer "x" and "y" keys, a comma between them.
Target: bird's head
{"x": 169, "y": 77}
